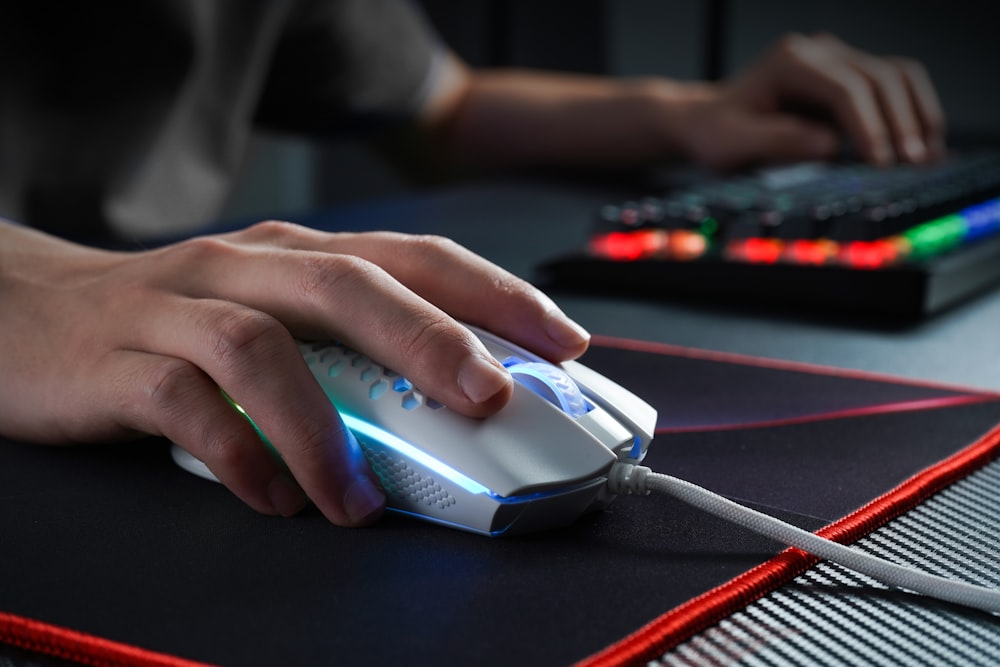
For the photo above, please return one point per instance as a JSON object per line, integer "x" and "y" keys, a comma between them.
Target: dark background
{"x": 681, "y": 39}
{"x": 698, "y": 39}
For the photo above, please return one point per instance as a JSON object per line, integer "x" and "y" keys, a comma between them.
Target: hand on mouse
{"x": 796, "y": 101}
{"x": 98, "y": 346}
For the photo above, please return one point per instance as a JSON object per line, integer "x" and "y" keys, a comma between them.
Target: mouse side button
{"x": 608, "y": 430}
{"x": 633, "y": 412}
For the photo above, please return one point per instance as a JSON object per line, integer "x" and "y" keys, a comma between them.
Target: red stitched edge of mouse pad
{"x": 79, "y": 648}
{"x": 707, "y": 402}
{"x": 686, "y": 620}
{"x": 680, "y": 624}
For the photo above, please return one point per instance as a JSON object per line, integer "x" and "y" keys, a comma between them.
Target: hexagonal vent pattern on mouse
{"x": 403, "y": 482}
{"x": 334, "y": 359}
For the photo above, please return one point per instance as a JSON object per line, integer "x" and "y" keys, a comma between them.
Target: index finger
{"x": 341, "y": 296}
{"x": 460, "y": 282}
{"x": 822, "y": 71}
{"x": 926, "y": 103}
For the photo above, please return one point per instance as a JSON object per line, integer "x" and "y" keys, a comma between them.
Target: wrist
{"x": 669, "y": 109}
{"x": 32, "y": 253}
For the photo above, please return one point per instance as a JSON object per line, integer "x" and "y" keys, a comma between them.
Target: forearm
{"x": 801, "y": 101}
{"x": 25, "y": 251}
{"x": 518, "y": 118}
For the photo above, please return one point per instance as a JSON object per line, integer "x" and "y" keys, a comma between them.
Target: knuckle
{"x": 313, "y": 444}
{"x": 908, "y": 66}
{"x": 239, "y": 334}
{"x": 223, "y": 450}
{"x": 819, "y": 50}
{"x": 827, "y": 39}
{"x": 310, "y": 447}
{"x": 883, "y": 72}
{"x": 434, "y": 244}
{"x": 429, "y": 249}
{"x": 170, "y": 384}
{"x": 323, "y": 276}
{"x": 804, "y": 50}
{"x": 272, "y": 229}
{"x": 509, "y": 285}
{"x": 792, "y": 43}
{"x": 201, "y": 249}
{"x": 384, "y": 235}
{"x": 430, "y": 336}
{"x": 849, "y": 88}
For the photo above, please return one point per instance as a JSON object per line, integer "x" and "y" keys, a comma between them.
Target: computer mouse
{"x": 539, "y": 463}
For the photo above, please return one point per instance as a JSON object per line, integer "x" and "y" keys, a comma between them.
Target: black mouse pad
{"x": 118, "y": 543}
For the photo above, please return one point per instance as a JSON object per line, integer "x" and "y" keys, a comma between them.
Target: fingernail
{"x": 363, "y": 502}
{"x": 480, "y": 379}
{"x": 565, "y": 331}
{"x": 286, "y": 496}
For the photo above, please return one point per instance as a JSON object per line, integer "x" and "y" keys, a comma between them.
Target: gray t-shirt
{"x": 133, "y": 117}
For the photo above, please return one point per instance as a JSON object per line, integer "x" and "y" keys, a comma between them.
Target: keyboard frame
{"x": 912, "y": 290}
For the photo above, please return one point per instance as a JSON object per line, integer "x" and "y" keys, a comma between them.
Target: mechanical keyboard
{"x": 901, "y": 241}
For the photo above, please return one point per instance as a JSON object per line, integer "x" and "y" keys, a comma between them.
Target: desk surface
{"x": 152, "y": 518}
{"x": 518, "y": 225}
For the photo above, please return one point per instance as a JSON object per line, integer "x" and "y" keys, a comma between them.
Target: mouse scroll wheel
{"x": 552, "y": 384}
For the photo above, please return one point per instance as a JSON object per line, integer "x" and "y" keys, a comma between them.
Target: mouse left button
{"x": 551, "y": 383}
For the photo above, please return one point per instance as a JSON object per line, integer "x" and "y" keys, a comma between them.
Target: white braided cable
{"x": 627, "y": 478}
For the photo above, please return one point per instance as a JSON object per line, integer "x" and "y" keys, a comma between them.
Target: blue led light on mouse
{"x": 538, "y": 463}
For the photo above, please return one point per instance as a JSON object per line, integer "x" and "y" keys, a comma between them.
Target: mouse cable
{"x": 630, "y": 479}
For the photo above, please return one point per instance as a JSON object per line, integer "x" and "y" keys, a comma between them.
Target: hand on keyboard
{"x": 796, "y": 101}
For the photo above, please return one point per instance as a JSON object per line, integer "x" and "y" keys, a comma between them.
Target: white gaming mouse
{"x": 539, "y": 463}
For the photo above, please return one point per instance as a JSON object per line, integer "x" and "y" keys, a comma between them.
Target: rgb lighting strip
{"x": 920, "y": 242}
